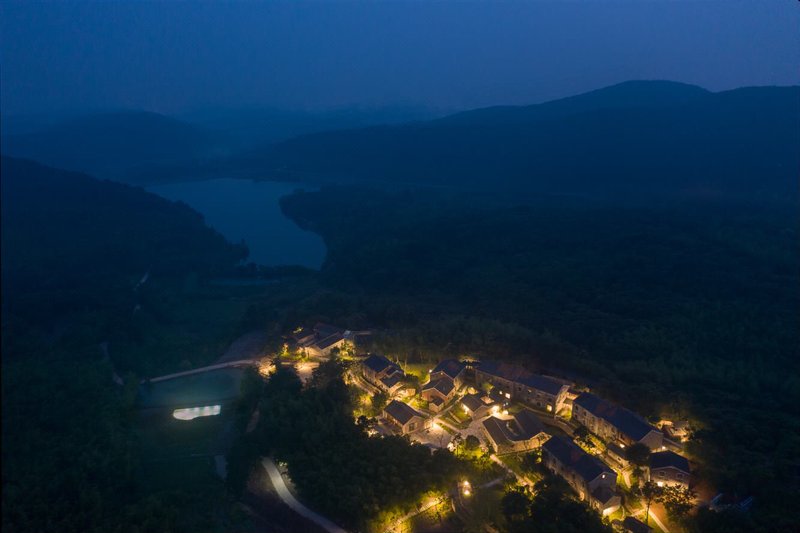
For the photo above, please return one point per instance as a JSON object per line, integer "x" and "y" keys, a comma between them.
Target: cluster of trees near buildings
{"x": 337, "y": 469}
{"x": 682, "y": 309}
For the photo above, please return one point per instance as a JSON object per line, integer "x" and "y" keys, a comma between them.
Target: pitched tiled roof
{"x": 494, "y": 427}
{"x": 302, "y": 334}
{"x": 542, "y": 383}
{"x": 524, "y": 426}
{"x": 443, "y": 385}
{"x": 392, "y": 380}
{"x": 328, "y": 341}
{"x": 667, "y": 458}
{"x": 628, "y": 422}
{"x": 572, "y": 457}
{"x": 473, "y": 402}
{"x": 449, "y": 367}
{"x": 377, "y": 363}
{"x": 528, "y": 424}
{"x": 635, "y": 526}
{"x": 326, "y": 330}
{"x": 603, "y": 494}
{"x": 503, "y": 370}
{"x": 401, "y": 412}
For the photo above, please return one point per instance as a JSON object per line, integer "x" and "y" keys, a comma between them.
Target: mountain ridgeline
{"x": 652, "y": 138}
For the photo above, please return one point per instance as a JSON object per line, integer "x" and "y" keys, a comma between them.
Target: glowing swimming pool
{"x": 190, "y": 413}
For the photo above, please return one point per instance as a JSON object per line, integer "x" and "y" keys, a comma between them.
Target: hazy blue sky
{"x": 174, "y": 56}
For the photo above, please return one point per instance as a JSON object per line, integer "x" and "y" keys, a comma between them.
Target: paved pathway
{"x": 287, "y": 497}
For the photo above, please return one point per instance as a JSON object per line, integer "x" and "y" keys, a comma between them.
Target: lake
{"x": 249, "y": 210}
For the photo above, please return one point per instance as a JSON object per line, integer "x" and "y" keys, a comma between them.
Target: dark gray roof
{"x": 449, "y": 367}
{"x": 603, "y": 494}
{"x": 572, "y": 457}
{"x": 302, "y": 334}
{"x": 392, "y": 380}
{"x": 524, "y": 426}
{"x": 401, "y": 412}
{"x": 473, "y": 402}
{"x": 668, "y": 459}
{"x": 627, "y": 422}
{"x": 548, "y": 385}
{"x": 327, "y": 341}
{"x": 377, "y": 363}
{"x": 635, "y": 526}
{"x": 503, "y": 370}
{"x": 443, "y": 385}
{"x": 326, "y": 330}
{"x": 528, "y": 423}
{"x": 496, "y": 430}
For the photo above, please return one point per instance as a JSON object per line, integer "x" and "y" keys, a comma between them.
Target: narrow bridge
{"x": 218, "y": 366}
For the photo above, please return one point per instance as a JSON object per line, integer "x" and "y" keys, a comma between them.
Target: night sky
{"x": 178, "y": 56}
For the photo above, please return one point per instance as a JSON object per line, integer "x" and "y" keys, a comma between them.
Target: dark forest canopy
{"x": 636, "y": 138}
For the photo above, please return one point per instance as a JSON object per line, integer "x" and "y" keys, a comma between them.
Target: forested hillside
{"x": 74, "y": 249}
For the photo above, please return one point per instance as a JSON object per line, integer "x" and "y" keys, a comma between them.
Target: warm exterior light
{"x": 663, "y": 447}
{"x": 508, "y": 395}
{"x": 621, "y": 445}
{"x": 505, "y": 412}
{"x": 549, "y": 407}
{"x": 495, "y": 408}
{"x": 660, "y": 483}
{"x": 466, "y": 492}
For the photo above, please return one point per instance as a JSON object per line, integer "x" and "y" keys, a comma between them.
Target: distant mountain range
{"x": 639, "y": 137}
{"x": 636, "y": 137}
{"x": 143, "y": 147}
{"x": 112, "y": 145}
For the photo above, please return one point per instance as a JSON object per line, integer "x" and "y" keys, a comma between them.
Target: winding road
{"x": 287, "y": 498}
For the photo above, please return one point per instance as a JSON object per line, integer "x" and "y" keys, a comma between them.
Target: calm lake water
{"x": 249, "y": 211}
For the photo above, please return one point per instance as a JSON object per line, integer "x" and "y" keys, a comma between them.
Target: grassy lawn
{"x": 459, "y": 414}
{"x": 449, "y": 417}
{"x": 419, "y": 369}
